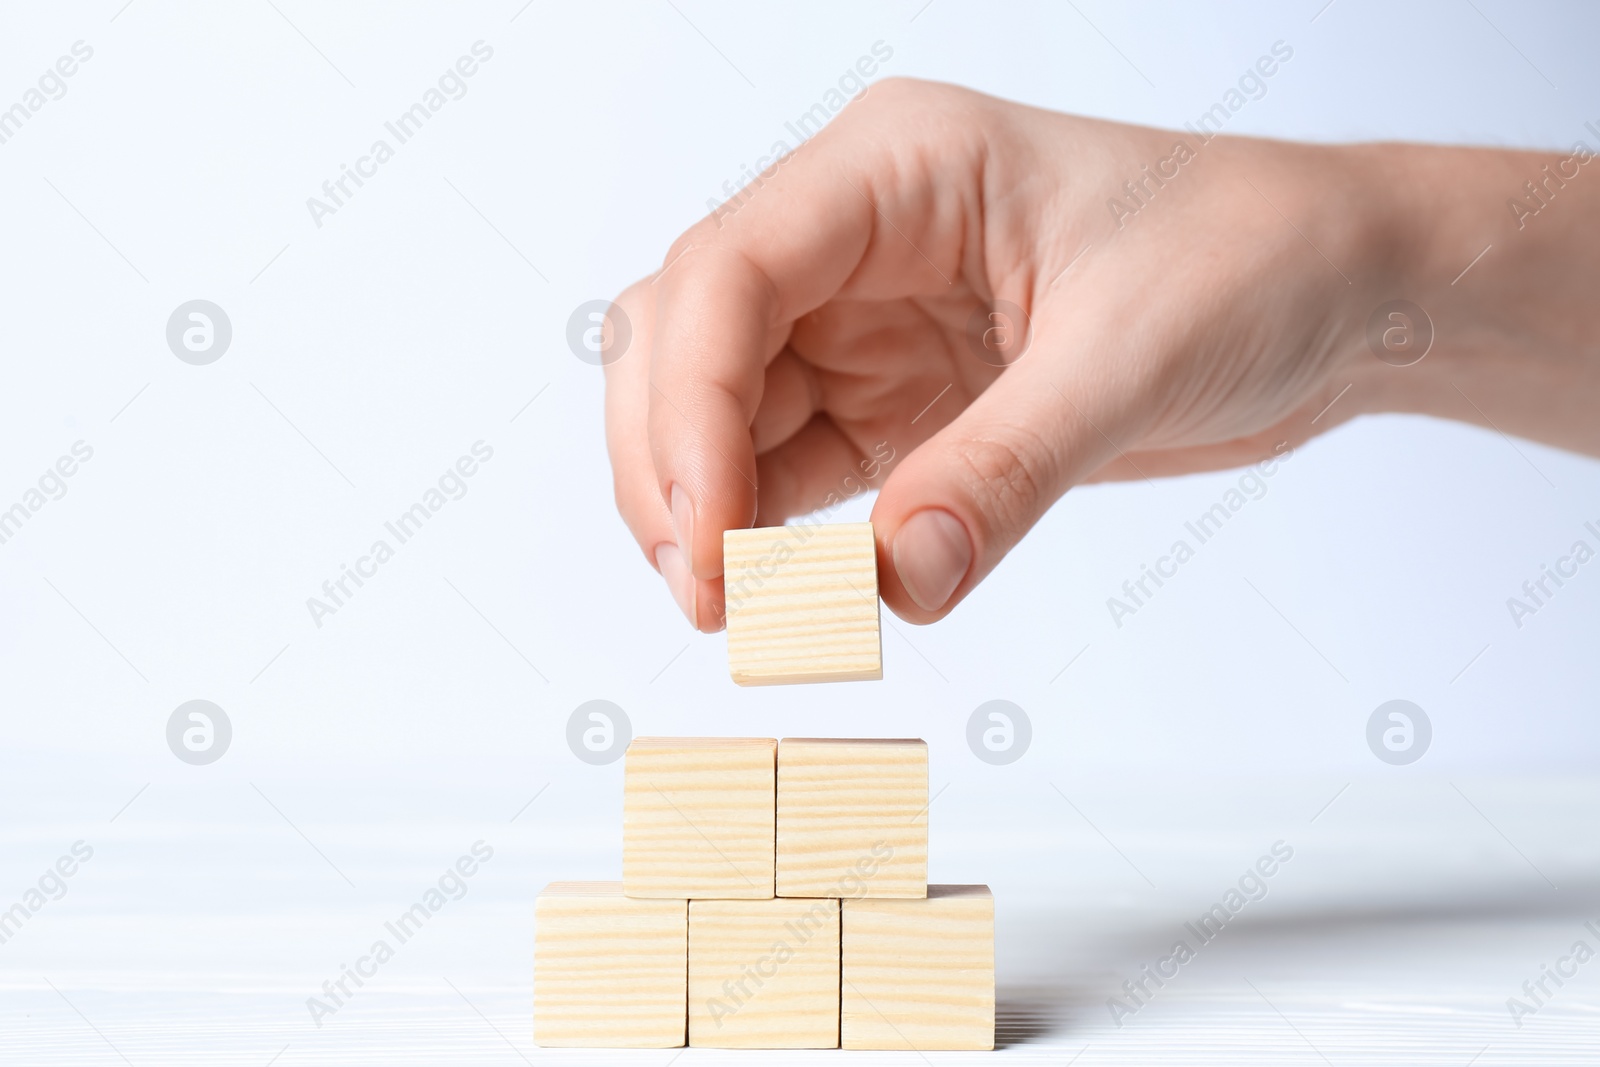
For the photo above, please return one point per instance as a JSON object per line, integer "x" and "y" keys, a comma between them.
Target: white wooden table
{"x": 1396, "y": 934}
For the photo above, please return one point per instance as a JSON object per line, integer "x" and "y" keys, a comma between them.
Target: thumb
{"x": 960, "y": 501}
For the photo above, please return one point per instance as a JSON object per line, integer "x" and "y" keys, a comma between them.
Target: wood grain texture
{"x": 609, "y": 971}
{"x": 919, "y": 974}
{"x": 802, "y": 604}
{"x": 852, "y": 817}
{"x": 764, "y": 973}
{"x": 698, "y": 817}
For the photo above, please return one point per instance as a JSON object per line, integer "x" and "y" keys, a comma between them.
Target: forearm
{"x": 1507, "y": 273}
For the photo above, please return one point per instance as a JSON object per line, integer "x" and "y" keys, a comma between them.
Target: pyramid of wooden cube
{"x": 773, "y": 896}
{"x": 852, "y": 817}
{"x": 802, "y": 604}
{"x": 698, "y": 817}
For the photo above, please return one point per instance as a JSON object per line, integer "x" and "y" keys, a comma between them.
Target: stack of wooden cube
{"x": 774, "y": 895}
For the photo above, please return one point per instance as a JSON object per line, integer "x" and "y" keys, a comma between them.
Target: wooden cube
{"x": 802, "y": 604}
{"x": 764, "y": 973}
{"x": 609, "y": 971}
{"x": 852, "y": 817}
{"x": 917, "y": 974}
{"x": 698, "y": 817}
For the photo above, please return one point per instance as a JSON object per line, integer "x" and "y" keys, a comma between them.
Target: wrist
{"x": 1494, "y": 248}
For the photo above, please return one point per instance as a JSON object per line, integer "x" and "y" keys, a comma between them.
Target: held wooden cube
{"x": 852, "y": 817}
{"x": 609, "y": 971}
{"x": 918, "y": 974}
{"x": 802, "y": 604}
{"x": 698, "y": 817}
{"x": 764, "y": 973}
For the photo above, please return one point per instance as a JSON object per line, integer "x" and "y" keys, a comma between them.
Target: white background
{"x": 369, "y": 353}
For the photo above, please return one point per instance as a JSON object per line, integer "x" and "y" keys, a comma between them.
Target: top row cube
{"x": 802, "y": 604}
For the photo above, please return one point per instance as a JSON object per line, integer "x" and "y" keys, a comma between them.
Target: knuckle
{"x": 887, "y": 101}
{"x": 900, "y": 94}
{"x": 702, "y": 232}
{"x": 1007, "y": 476}
{"x": 896, "y": 89}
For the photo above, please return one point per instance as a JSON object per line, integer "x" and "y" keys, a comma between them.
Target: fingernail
{"x": 931, "y": 555}
{"x": 670, "y": 562}
{"x": 683, "y": 523}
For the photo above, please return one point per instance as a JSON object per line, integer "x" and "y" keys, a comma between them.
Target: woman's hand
{"x": 1010, "y": 302}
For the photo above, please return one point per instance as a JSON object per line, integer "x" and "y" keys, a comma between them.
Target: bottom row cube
{"x": 785, "y": 972}
{"x": 919, "y": 974}
{"x": 608, "y": 969}
{"x": 764, "y": 973}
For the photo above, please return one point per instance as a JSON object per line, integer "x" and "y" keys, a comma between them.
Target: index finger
{"x": 734, "y": 285}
